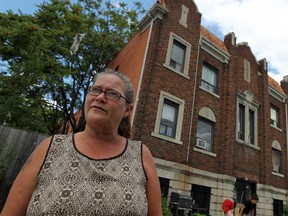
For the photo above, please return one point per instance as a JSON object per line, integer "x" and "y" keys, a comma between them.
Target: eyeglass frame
{"x": 105, "y": 94}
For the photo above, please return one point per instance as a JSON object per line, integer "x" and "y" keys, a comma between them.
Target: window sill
{"x": 241, "y": 142}
{"x": 277, "y": 128}
{"x": 166, "y": 138}
{"x": 175, "y": 71}
{"x": 278, "y": 174}
{"x": 204, "y": 152}
{"x": 215, "y": 95}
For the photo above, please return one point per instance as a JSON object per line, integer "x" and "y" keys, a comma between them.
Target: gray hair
{"x": 124, "y": 128}
{"x": 128, "y": 88}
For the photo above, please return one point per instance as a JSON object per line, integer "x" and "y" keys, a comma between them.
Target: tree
{"x": 43, "y": 79}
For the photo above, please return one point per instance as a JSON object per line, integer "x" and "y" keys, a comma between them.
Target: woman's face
{"x": 105, "y": 112}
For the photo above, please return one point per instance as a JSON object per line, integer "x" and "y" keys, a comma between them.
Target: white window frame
{"x": 173, "y": 37}
{"x": 246, "y": 100}
{"x": 181, "y": 103}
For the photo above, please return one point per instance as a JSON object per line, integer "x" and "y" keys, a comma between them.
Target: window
{"x": 201, "y": 198}
{"x": 168, "y": 123}
{"x": 209, "y": 79}
{"x": 246, "y": 114}
{"x": 274, "y": 115}
{"x": 247, "y": 111}
{"x": 205, "y": 130}
{"x": 241, "y": 122}
{"x": 276, "y": 160}
{"x": 251, "y": 126}
{"x": 164, "y": 185}
{"x": 178, "y": 55}
{"x": 277, "y": 207}
{"x": 169, "y": 118}
{"x": 276, "y": 157}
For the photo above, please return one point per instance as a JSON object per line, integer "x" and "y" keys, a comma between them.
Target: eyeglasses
{"x": 109, "y": 94}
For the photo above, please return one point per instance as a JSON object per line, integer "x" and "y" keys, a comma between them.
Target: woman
{"x": 95, "y": 172}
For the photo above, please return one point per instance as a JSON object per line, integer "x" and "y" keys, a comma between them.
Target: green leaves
{"x": 45, "y": 85}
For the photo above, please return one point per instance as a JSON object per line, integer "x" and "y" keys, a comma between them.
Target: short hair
{"x": 128, "y": 88}
{"x": 124, "y": 128}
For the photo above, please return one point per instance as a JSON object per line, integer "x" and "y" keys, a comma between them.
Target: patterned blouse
{"x": 70, "y": 183}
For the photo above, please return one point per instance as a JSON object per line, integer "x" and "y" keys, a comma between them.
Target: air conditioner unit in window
{"x": 275, "y": 168}
{"x": 201, "y": 143}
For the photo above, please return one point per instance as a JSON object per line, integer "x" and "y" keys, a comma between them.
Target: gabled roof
{"x": 213, "y": 38}
{"x": 273, "y": 83}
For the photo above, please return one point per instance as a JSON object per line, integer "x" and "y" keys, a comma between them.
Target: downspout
{"x": 286, "y": 123}
{"x": 193, "y": 101}
{"x": 142, "y": 70}
{"x": 286, "y": 114}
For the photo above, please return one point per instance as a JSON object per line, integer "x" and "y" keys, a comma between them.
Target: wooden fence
{"x": 22, "y": 143}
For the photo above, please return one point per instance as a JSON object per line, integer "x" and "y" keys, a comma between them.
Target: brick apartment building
{"x": 214, "y": 120}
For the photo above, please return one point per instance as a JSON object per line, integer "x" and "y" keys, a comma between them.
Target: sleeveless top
{"x": 70, "y": 183}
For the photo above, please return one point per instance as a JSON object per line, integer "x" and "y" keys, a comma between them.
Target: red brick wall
{"x": 157, "y": 77}
{"x": 232, "y": 158}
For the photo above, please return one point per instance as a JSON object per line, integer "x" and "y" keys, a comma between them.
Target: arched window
{"x": 276, "y": 157}
{"x": 205, "y": 129}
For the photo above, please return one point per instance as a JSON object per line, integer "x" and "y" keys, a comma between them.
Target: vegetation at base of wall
{"x": 165, "y": 207}
{"x": 198, "y": 214}
{"x": 285, "y": 210}
{"x": 6, "y": 156}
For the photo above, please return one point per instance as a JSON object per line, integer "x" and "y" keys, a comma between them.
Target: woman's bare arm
{"x": 153, "y": 187}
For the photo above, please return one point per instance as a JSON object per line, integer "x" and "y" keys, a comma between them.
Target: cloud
{"x": 260, "y": 23}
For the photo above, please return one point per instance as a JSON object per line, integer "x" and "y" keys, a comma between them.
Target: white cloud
{"x": 260, "y": 23}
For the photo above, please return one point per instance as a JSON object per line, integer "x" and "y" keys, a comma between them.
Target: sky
{"x": 260, "y": 23}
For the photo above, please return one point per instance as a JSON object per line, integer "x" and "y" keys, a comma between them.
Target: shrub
{"x": 285, "y": 210}
{"x": 165, "y": 207}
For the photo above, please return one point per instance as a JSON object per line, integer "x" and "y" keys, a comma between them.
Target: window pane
{"x": 241, "y": 122}
{"x": 168, "y": 112}
{"x": 209, "y": 79}
{"x": 273, "y": 114}
{"x": 170, "y": 132}
{"x": 205, "y": 132}
{"x": 209, "y": 76}
{"x": 276, "y": 160}
{"x": 251, "y": 127}
{"x": 177, "y": 56}
{"x": 276, "y": 154}
{"x": 162, "y": 129}
{"x": 169, "y": 119}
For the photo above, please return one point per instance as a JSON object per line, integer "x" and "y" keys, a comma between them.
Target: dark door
{"x": 201, "y": 198}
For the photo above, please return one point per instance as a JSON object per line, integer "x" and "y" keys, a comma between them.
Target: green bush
{"x": 165, "y": 207}
{"x": 6, "y": 156}
{"x": 285, "y": 210}
{"x": 198, "y": 214}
